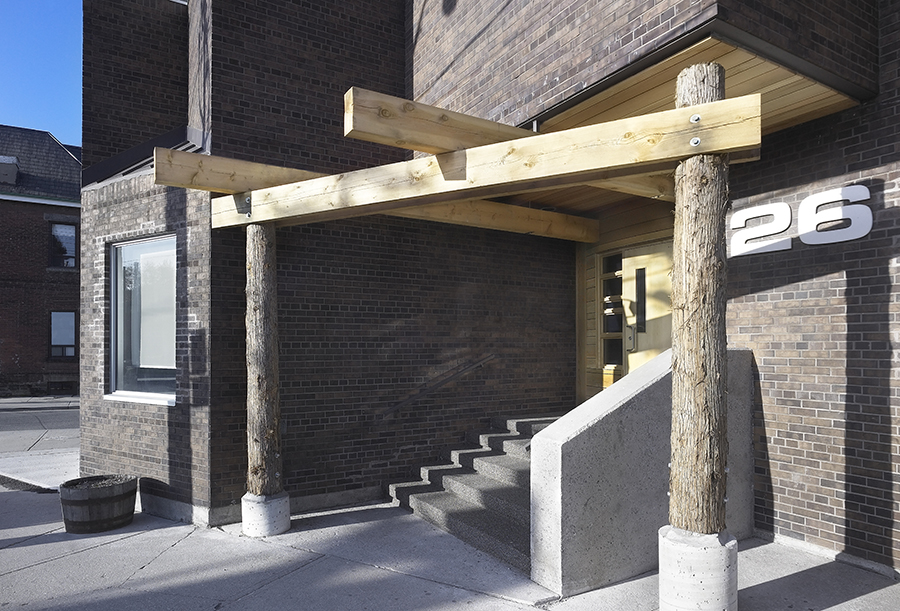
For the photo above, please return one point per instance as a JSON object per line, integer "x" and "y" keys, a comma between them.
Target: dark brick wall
{"x": 30, "y": 289}
{"x": 839, "y": 36}
{"x": 822, "y": 323}
{"x": 135, "y": 74}
{"x": 508, "y": 61}
{"x": 373, "y": 309}
{"x": 280, "y": 71}
{"x": 427, "y": 298}
{"x": 370, "y": 311}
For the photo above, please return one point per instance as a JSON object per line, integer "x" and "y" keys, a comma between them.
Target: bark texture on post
{"x": 699, "y": 442}
{"x": 263, "y": 403}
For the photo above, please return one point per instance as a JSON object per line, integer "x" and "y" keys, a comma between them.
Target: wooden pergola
{"x": 475, "y": 173}
{"x": 473, "y": 169}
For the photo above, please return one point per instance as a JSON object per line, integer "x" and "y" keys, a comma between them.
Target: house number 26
{"x": 816, "y": 224}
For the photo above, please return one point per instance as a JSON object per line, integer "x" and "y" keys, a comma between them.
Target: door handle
{"x": 630, "y": 338}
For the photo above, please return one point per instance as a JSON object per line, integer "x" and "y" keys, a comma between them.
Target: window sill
{"x": 148, "y": 398}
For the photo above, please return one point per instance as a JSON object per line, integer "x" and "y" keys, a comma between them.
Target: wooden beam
{"x": 220, "y": 175}
{"x": 652, "y": 186}
{"x": 385, "y": 119}
{"x": 376, "y": 117}
{"x": 595, "y": 152}
{"x": 516, "y": 219}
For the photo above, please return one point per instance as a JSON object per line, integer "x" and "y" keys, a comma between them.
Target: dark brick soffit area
{"x": 190, "y": 139}
{"x": 140, "y": 157}
{"x": 724, "y": 32}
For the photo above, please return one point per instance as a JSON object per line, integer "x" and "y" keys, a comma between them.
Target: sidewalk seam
{"x": 38, "y": 440}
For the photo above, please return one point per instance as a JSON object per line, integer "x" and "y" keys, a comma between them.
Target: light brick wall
{"x": 168, "y": 447}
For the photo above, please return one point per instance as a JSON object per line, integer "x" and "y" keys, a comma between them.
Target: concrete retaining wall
{"x": 599, "y": 479}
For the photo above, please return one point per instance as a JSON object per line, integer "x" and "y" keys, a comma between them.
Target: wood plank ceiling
{"x": 788, "y": 99}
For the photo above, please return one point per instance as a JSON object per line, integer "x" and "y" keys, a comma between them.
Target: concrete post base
{"x": 262, "y": 516}
{"x": 697, "y": 572}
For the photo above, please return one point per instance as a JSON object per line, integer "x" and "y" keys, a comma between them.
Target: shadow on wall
{"x": 868, "y": 481}
{"x": 449, "y": 7}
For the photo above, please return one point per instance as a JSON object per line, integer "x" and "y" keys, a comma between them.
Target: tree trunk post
{"x": 265, "y": 509}
{"x": 698, "y": 559}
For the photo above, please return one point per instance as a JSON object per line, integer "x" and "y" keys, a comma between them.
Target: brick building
{"x": 40, "y": 184}
{"x": 375, "y": 307}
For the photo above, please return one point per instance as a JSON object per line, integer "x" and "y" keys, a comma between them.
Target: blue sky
{"x": 40, "y": 66}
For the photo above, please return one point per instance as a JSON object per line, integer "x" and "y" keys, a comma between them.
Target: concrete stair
{"x": 482, "y": 495}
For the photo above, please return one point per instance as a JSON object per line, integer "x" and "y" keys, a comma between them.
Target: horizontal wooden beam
{"x": 220, "y": 175}
{"x": 385, "y": 119}
{"x": 516, "y": 219}
{"x": 659, "y": 185}
{"x": 636, "y": 145}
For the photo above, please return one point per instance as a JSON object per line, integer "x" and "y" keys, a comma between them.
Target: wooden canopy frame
{"x": 471, "y": 160}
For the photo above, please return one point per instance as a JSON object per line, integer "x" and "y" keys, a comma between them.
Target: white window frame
{"x": 116, "y": 340}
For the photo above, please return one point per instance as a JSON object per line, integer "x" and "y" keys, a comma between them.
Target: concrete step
{"x": 520, "y": 448}
{"x": 483, "y": 495}
{"x": 528, "y": 427}
{"x": 504, "y": 498}
{"x": 493, "y": 438}
{"x": 505, "y": 468}
{"x": 465, "y": 457}
{"x": 488, "y": 531}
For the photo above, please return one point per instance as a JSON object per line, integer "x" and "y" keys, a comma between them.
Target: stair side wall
{"x": 599, "y": 479}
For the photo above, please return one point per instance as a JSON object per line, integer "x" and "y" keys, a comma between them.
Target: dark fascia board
{"x": 725, "y": 32}
{"x": 183, "y": 138}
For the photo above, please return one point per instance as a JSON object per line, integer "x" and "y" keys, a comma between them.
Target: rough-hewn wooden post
{"x": 263, "y": 409}
{"x": 698, "y": 559}
{"x": 699, "y": 443}
{"x": 265, "y": 504}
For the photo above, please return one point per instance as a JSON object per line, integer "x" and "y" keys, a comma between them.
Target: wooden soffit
{"x": 788, "y": 98}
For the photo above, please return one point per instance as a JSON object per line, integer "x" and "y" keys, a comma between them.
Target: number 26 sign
{"x": 816, "y": 224}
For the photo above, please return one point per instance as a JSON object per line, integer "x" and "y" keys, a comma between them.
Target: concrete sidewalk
{"x": 370, "y": 558}
{"x": 367, "y": 558}
{"x": 39, "y": 440}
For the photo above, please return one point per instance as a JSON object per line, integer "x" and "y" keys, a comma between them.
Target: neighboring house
{"x": 375, "y": 307}
{"x": 40, "y": 195}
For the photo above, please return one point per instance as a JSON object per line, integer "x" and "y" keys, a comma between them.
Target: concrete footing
{"x": 262, "y": 516}
{"x": 697, "y": 572}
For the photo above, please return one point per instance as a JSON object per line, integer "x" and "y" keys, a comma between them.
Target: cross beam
{"x": 597, "y": 152}
{"x": 385, "y": 119}
{"x": 222, "y": 175}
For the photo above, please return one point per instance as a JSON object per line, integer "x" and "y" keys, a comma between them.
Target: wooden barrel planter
{"x": 99, "y": 503}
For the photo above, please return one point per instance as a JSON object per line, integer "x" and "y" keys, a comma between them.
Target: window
{"x": 63, "y": 245}
{"x": 143, "y": 337}
{"x": 611, "y": 336}
{"x": 62, "y": 335}
{"x": 613, "y": 313}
